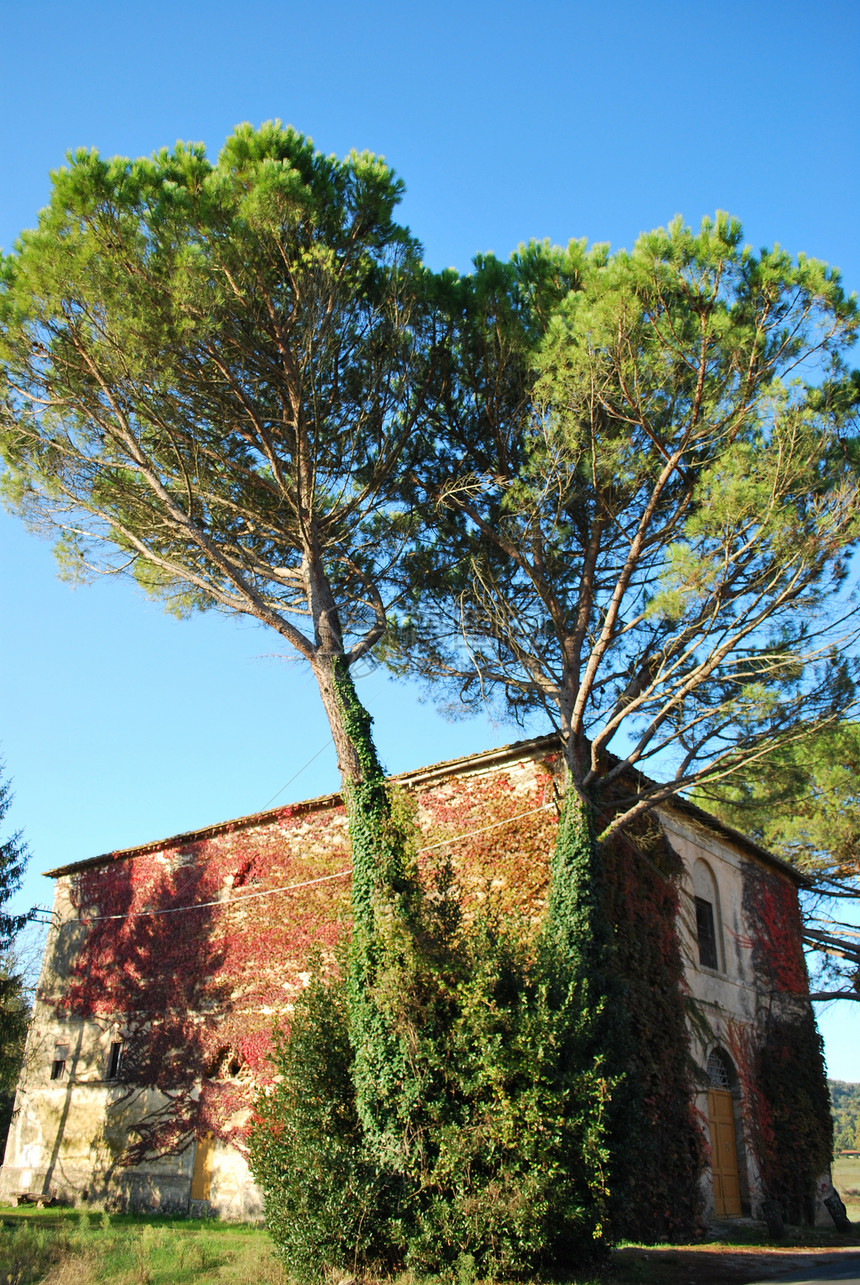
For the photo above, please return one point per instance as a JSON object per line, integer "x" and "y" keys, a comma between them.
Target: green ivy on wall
{"x": 657, "y": 1143}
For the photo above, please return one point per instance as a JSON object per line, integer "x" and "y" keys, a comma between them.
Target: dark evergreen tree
{"x": 13, "y": 1007}
{"x": 13, "y": 861}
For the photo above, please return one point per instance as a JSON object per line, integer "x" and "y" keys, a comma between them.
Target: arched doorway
{"x": 724, "y": 1146}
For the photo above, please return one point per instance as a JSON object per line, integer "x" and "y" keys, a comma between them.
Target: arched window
{"x": 721, "y": 1072}
{"x": 708, "y": 918}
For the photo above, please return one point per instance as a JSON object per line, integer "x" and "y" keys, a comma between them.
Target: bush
{"x": 326, "y": 1202}
{"x": 501, "y": 1119}
{"x": 515, "y": 1171}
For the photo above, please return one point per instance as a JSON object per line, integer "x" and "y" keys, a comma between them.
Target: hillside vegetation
{"x": 845, "y": 1099}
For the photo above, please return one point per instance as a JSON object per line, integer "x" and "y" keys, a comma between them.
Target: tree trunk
{"x": 353, "y": 759}
{"x": 377, "y": 855}
{"x": 575, "y": 901}
{"x": 380, "y": 888}
{"x": 380, "y": 910}
{"x": 579, "y": 937}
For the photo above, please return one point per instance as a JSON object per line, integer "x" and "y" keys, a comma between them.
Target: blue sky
{"x": 507, "y": 122}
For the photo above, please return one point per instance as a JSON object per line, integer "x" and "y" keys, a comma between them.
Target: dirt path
{"x": 718, "y": 1264}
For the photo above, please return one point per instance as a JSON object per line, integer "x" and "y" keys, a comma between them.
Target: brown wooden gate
{"x": 724, "y": 1154}
{"x": 201, "y": 1178}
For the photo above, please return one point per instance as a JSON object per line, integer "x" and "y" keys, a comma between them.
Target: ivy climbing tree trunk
{"x": 381, "y": 893}
{"x": 575, "y": 923}
{"x": 579, "y": 948}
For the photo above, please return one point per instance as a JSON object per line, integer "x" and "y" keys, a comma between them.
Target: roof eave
{"x": 511, "y": 752}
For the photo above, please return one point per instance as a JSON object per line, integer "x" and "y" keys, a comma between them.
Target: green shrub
{"x": 326, "y": 1202}
{"x": 515, "y": 1165}
{"x": 500, "y": 1118}
{"x": 441, "y": 1103}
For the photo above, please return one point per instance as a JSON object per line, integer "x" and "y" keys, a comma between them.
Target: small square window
{"x": 114, "y": 1060}
{"x": 61, "y": 1057}
{"x": 706, "y": 933}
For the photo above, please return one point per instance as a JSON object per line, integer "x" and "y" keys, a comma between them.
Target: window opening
{"x": 114, "y": 1059}
{"x": 706, "y": 933}
{"x": 226, "y": 1064}
{"x": 718, "y": 1070}
{"x": 61, "y": 1057}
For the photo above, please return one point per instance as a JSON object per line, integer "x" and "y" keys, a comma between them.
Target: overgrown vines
{"x": 784, "y": 1072}
{"x": 486, "y": 1053}
{"x": 384, "y": 905}
{"x": 659, "y": 1144}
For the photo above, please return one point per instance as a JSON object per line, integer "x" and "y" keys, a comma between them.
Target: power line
{"x": 297, "y": 774}
{"x": 202, "y": 905}
{"x": 340, "y": 874}
{"x": 306, "y": 883}
{"x": 493, "y": 826}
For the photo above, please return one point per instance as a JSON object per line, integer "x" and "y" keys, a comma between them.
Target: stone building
{"x": 167, "y": 966}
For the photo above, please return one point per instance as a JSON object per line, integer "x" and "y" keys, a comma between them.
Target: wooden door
{"x": 201, "y": 1179}
{"x": 724, "y": 1154}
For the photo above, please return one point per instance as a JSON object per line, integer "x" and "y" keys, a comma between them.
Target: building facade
{"x": 168, "y": 965}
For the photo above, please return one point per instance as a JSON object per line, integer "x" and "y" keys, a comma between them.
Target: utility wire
{"x": 296, "y": 775}
{"x": 43, "y": 910}
{"x": 219, "y": 901}
{"x": 340, "y": 874}
{"x": 494, "y": 825}
{"x": 306, "y": 883}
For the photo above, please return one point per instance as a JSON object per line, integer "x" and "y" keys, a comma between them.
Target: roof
{"x": 467, "y": 763}
{"x": 703, "y": 818}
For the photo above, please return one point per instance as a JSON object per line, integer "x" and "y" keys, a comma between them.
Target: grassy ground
{"x": 846, "y": 1180}
{"x": 65, "y": 1247}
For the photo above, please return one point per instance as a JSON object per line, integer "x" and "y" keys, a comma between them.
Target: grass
{"x": 64, "y": 1247}
{"x": 846, "y": 1180}
{"x": 72, "y": 1247}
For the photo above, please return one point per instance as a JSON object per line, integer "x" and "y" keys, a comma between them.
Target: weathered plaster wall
{"x": 756, "y": 913}
{"x": 724, "y": 1000}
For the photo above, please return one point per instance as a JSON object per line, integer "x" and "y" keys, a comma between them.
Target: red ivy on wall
{"x": 197, "y": 991}
{"x": 771, "y": 908}
{"x": 781, "y": 1068}
{"x": 661, "y": 1145}
{"x": 197, "y": 988}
